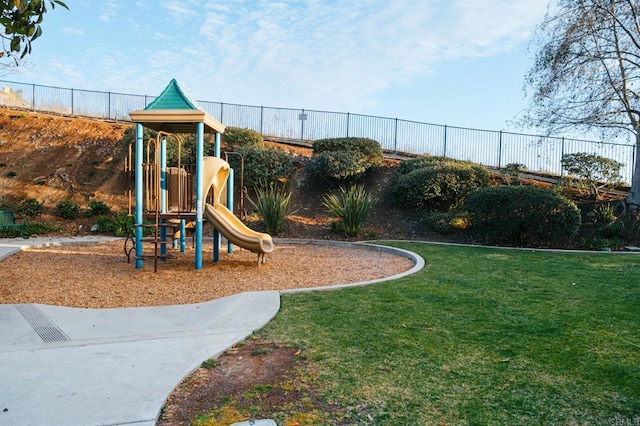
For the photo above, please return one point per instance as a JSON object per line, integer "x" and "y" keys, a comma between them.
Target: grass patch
{"x": 480, "y": 336}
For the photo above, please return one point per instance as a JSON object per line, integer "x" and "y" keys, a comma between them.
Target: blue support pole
{"x": 230, "y": 203}
{"x": 183, "y": 236}
{"x": 163, "y": 193}
{"x": 139, "y": 196}
{"x": 199, "y": 192}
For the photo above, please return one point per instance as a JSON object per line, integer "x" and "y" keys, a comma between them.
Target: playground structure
{"x": 169, "y": 200}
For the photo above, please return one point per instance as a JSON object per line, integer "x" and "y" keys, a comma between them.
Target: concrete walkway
{"x": 66, "y": 366}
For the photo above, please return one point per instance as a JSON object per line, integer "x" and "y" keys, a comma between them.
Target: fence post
{"x": 561, "y": 156}
{"x": 222, "y": 112}
{"x": 33, "y": 97}
{"x": 109, "y": 104}
{"x": 302, "y": 117}
{"x": 500, "y": 150}
{"x": 395, "y": 136}
{"x": 347, "y": 124}
{"x": 261, "y": 119}
{"x": 444, "y": 153}
{"x": 72, "y": 112}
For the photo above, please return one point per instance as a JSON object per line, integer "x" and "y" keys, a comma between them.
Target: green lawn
{"x": 480, "y": 336}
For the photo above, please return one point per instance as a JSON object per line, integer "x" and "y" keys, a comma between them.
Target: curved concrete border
{"x": 417, "y": 260}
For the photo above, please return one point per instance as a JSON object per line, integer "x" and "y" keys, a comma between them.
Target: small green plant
{"x": 30, "y": 207}
{"x": 2, "y": 165}
{"x": 352, "y": 207}
{"x": 107, "y": 225}
{"x": 67, "y": 209}
{"x": 40, "y": 228}
{"x": 512, "y": 173}
{"x": 272, "y": 202}
{"x": 605, "y": 213}
{"x": 97, "y": 208}
{"x": 11, "y": 174}
{"x": 447, "y": 222}
{"x": 209, "y": 363}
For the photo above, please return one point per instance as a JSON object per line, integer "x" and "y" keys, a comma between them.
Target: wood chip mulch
{"x": 98, "y": 276}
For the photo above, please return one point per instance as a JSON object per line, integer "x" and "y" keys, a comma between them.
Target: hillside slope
{"x": 53, "y": 158}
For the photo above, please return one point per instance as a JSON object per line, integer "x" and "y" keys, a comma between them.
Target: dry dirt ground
{"x": 53, "y": 158}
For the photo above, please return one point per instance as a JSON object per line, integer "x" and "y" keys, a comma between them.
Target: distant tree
{"x": 21, "y": 20}
{"x": 586, "y": 73}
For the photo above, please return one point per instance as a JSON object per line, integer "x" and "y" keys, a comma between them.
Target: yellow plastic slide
{"x": 216, "y": 172}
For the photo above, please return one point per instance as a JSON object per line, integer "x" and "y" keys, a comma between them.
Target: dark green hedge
{"x": 440, "y": 185}
{"x": 522, "y": 215}
{"x": 262, "y": 164}
{"x": 236, "y": 137}
{"x": 345, "y": 159}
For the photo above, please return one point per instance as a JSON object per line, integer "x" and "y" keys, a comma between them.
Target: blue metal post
{"x": 199, "y": 191}
{"x": 163, "y": 193}
{"x": 230, "y": 203}
{"x": 139, "y": 188}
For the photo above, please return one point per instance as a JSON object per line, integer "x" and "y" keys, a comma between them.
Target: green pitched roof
{"x": 174, "y": 96}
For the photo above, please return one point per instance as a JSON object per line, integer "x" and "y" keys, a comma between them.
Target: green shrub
{"x": 512, "y": 173}
{"x": 107, "y": 225}
{"x": 352, "y": 207}
{"x": 97, "y": 208}
{"x": 522, "y": 215}
{"x": 407, "y": 166}
{"x": 345, "y": 159}
{"x": 11, "y": 174}
{"x": 441, "y": 185}
{"x": 236, "y": 137}
{"x": 40, "y": 228}
{"x": 67, "y": 209}
{"x": 370, "y": 149}
{"x": 30, "y": 207}
{"x": 447, "y": 222}
{"x": 272, "y": 202}
{"x": 339, "y": 165}
{"x": 262, "y": 164}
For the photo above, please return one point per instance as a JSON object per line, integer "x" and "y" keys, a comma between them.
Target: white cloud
{"x": 109, "y": 11}
{"x": 74, "y": 31}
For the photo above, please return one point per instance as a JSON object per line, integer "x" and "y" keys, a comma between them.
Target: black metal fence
{"x": 491, "y": 148}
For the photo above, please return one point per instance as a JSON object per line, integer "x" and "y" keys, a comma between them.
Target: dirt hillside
{"x": 53, "y": 158}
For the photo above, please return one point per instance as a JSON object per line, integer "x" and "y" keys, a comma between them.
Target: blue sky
{"x": 454, "y": 62}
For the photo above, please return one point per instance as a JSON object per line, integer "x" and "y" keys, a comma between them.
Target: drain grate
{"x": 41, "y": 324}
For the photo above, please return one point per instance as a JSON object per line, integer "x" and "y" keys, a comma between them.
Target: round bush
{"x": 370, "y": 149}
{"x": 67, "y": 209}
{"x": 443, "y": 185}
{"x": 31, "y": 207}
{"x": 262, "y": 164}
{"x": 408, "y": 166}
{"x": 97, "y": 208}
{"x": 517, "y": 215}
{"x": 339, "y": 165}
{"x": 236, "y": 137}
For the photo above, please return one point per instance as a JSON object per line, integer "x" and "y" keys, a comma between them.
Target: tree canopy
{"x": 586, "y": 71}
{"x": 22, "y": 21}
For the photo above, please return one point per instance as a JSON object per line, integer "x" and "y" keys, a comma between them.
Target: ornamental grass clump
{"x": 272, "y": 203}
{"x": 352, "y": 207}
